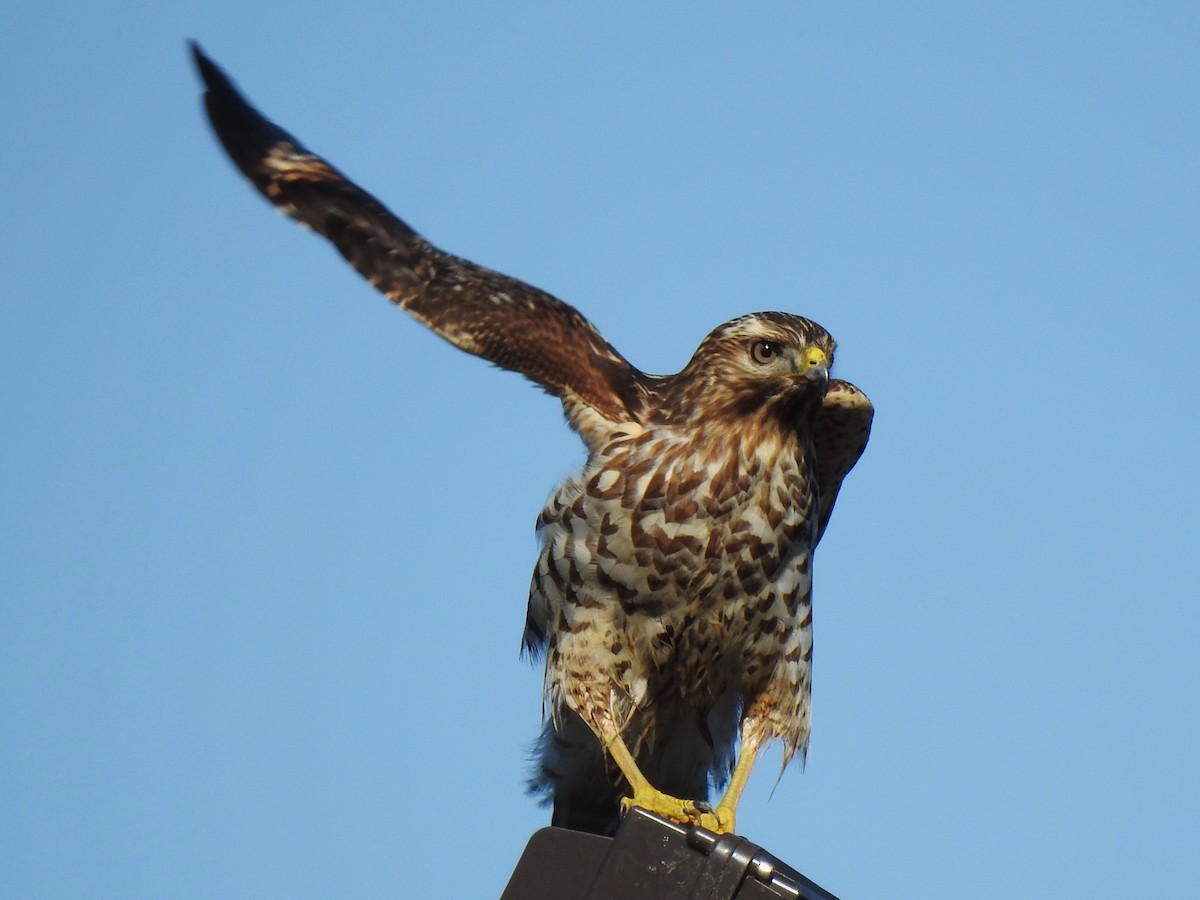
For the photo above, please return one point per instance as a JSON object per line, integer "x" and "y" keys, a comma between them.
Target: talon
{"x": 718, "y": 819}
{"x": 679, "y": 811}
{"x": 723, "y": 820}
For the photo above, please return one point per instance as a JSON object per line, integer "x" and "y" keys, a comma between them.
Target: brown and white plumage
{"x": 672, "y": 593}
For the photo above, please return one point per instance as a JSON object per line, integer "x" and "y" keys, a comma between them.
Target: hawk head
{"x": 767, "y": 363}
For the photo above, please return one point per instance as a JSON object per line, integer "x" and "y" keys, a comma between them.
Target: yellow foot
{"x": 722, "y": 820}
{"x": 683, "y": 812}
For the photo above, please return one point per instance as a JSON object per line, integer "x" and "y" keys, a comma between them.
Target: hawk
{"x": 672, "y": 592}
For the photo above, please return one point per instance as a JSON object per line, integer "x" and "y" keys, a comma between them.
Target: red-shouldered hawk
{"x": 672, "y": 594}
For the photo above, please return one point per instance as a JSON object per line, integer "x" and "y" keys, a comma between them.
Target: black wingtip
{"x": 244, "y": 132}
{"x": 214, "y": 79}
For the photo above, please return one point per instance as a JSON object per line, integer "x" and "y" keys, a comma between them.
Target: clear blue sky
{"x": 265, "y": 542}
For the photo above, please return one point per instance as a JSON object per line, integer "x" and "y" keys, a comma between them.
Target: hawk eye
{"x": 762, "y": 352}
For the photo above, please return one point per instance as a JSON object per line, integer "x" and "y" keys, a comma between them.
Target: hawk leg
{"x": 648, "y": 797}
{"x": 727, "y": 808}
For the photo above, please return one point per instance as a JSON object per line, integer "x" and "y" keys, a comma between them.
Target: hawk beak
{"x": 813, "y": 365}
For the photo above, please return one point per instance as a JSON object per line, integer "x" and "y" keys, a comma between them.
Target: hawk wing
{"x": 840, "y": 437}
{"x": 504, "y": 320}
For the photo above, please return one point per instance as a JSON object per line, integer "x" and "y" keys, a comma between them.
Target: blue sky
{"x": 265, "y": 542}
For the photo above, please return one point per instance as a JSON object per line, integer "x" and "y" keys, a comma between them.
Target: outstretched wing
{"x": 478, "y": 310}
{"x": 840, "y": 437}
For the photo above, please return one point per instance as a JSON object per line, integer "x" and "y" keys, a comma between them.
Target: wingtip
{"x": 229, "y": 111}
{"x": 241, "y": 129}
{"x": 210, "y": 72}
